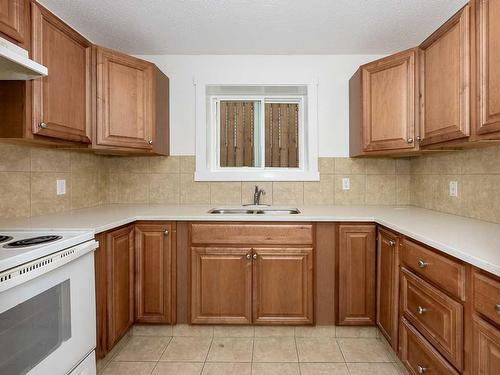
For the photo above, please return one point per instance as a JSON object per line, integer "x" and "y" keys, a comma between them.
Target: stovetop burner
{"x": 32, "y": 241}
{"x": 5, "y": 238}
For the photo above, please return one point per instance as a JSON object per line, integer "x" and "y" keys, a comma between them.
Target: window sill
{"x": 256, "y": 175}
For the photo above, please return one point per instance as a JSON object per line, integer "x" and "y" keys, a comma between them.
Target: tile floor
{"x": 220, "y": 350}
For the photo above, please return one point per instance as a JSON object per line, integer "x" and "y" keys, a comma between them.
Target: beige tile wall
{"x": 477, "y": 172}
{"x": 28, "y": 180}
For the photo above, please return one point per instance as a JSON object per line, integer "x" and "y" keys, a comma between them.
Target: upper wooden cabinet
{"x": 445, "y": 81}
{"x": 488, "y": 67}
{"x": 14, "y": 20}
{"x": 62, "y": 100}
{"x": 132, "y": 104}
{"x": 383, "y": 110}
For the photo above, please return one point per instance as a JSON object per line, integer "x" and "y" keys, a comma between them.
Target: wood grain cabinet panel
{"x": 488, "y": 62}
{"x": 387, "y": 102}
{"x": 486, "y": 296}
{"x": 387, "y": 285}
{"x": 154, "y": 275}
{"x": 356, "y": 266}
{"x": 445, "y": 81}
{"x": 120, "y": 282}
{"x": 101, "y": 295}
{"x": 62, "y": 100}
{"x": 14, "y": 20}
{"x": 283, "y": 286}
{"x": 486, "y": 348}
{"x": 221, "y": 285}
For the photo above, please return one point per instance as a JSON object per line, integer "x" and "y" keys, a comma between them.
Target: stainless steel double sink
{"x": 254, "y": 211}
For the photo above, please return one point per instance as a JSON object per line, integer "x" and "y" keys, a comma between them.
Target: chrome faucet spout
{"x": 257, "y": 194}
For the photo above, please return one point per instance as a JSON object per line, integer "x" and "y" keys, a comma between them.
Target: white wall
{"x": 331, "y": 71}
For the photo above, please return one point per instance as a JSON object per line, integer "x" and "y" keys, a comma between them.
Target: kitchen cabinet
{"x": 487, "y": 61}
{"x": 251, "y": 273}
{"x": 388, "y": 285}
{"x": 486, "y": 348}
{"x": 132, "y": 104}
{"x": 154, "y": 272}
{"x": 14, "y": 21}
{"x": 356, "y": 272}
{"x": 119, "y": 245}
{"x": 383, "y": 106}
{"x": 445, "y": 82}
{"x": 62, "y": 100}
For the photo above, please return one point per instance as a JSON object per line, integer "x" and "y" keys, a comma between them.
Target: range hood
{"x": 15, "y": 64}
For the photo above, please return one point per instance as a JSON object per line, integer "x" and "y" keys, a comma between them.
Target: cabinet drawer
{"x": 252, "y": 234}
{"x": 487, "y": 296}
{"x": 438, "y": 317}
{"x": 419, "y": 356}
{"x": 438, "y": 269}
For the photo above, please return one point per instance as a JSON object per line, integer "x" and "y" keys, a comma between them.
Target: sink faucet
{"x": 257, "y": 194}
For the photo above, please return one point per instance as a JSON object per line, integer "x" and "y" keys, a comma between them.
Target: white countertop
{"x": 473, "y": 241}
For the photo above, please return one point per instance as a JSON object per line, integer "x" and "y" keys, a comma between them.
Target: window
{"x": 256, "y": 133}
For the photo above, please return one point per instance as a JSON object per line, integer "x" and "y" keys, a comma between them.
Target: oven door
{"x": 47, "y": 324}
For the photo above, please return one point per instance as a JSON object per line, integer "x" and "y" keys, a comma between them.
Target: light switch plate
{"x": 346, "y": 183}
{"x": 453, "y": 189}
{"x": 61, "y": 187}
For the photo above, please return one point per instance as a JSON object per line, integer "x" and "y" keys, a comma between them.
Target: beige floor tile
{"x": 372, "y": 369}
{"x": 344, "y": 331}
{"x": 315, "y": 331}
{"x": 129, "y": 368}
{"x": 229, "y": 349}
{"x": 275, "y": 349}
{"x": 152, "y": 330}
{"x": 227, "y": 369}
{"x": 275, "y": 369}
{"x": 319, "y": 350}
{"x": 234, "y": 331}
{"x": 140, "y": 348}
{"x": 178, "y": 368}
{"x": 323, "y": 369}
{"x": 193, "y": 331}
{"x": 187, "y": 349}
{"x": 363, "y": 350}
{"x": 274, "y": 331}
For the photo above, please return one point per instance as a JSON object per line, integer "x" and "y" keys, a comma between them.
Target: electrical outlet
{"x": 453, "y": 189}
{"x": 346, "y": 183}
{"x": 61, "y": 187}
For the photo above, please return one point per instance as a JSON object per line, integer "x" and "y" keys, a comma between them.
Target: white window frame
{"x": 207, "y": 136}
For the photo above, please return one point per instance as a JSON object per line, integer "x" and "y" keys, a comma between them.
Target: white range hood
{"x": 15, "y": 64}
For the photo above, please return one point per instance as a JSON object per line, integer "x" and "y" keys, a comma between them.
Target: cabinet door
{"x": 387, "y": 285}
{"x": 124, "y": 101}
{"x": 389, "y": 107}
{"x": 283, "y": 286}
{"x": 356, "y": 275}
{"x": 488, "y": 30}
{"x": 221, "y": 285}
{"x": 445, "y": 81}
{"x": 13, "y": 19}
{"x": 486, "y": 348}
{"x": 62, "y": 100}
{"x": 154, "y": 272}
{"x": 101, "y": 294}
{"x": 120, "y": 263}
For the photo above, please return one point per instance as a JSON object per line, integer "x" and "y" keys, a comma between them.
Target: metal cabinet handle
{"x": 409, "y": 140}
{"x": 421, "y": 369}
{"x": 150, "y": 142}
{"x": 43, "y": 125}
{"x": 249, "y": 256}
{"x": 254, "y": 256}
{"x": 419, "y": 139}
{"x": 165, "y": 233}
{"x": 422, "y": 264}
{"x": 392, "y": 243}
{"x": 421, "y": 310}
{"x": 497, "y": 308}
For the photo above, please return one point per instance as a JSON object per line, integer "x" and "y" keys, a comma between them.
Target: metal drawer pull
{"x": 249, "y": 256}
{"x": 421, "y": 310}
{"x": 422, "y": 264}
{"x": 165, "y": 233}
{"x": 497, "y": 308}
{"x": 255, "y": 256}
{"x": 392, "y": 243}
{"x": 43, "y": 125}
{"x": 421, "y": 369}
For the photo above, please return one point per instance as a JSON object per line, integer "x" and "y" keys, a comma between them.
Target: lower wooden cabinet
{"x": 356, "y": 263}
{"x": 486, "y": 348}
{"x": 154, "y": 276}
{"x": 388, "y": 285}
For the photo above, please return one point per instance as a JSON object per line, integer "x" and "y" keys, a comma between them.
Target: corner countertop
{"x": 473, "y": 241}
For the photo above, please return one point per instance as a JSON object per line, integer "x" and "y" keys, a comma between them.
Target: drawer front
{"x": 438, "y": 269}
{"x": 252, "y": 234}
{"x": 437, "y": 317}
{"x": 419, "y": 356}
{"x": 487, "y": 296}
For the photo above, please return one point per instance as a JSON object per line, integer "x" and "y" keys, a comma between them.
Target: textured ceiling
{"x": 255, "y": 26}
